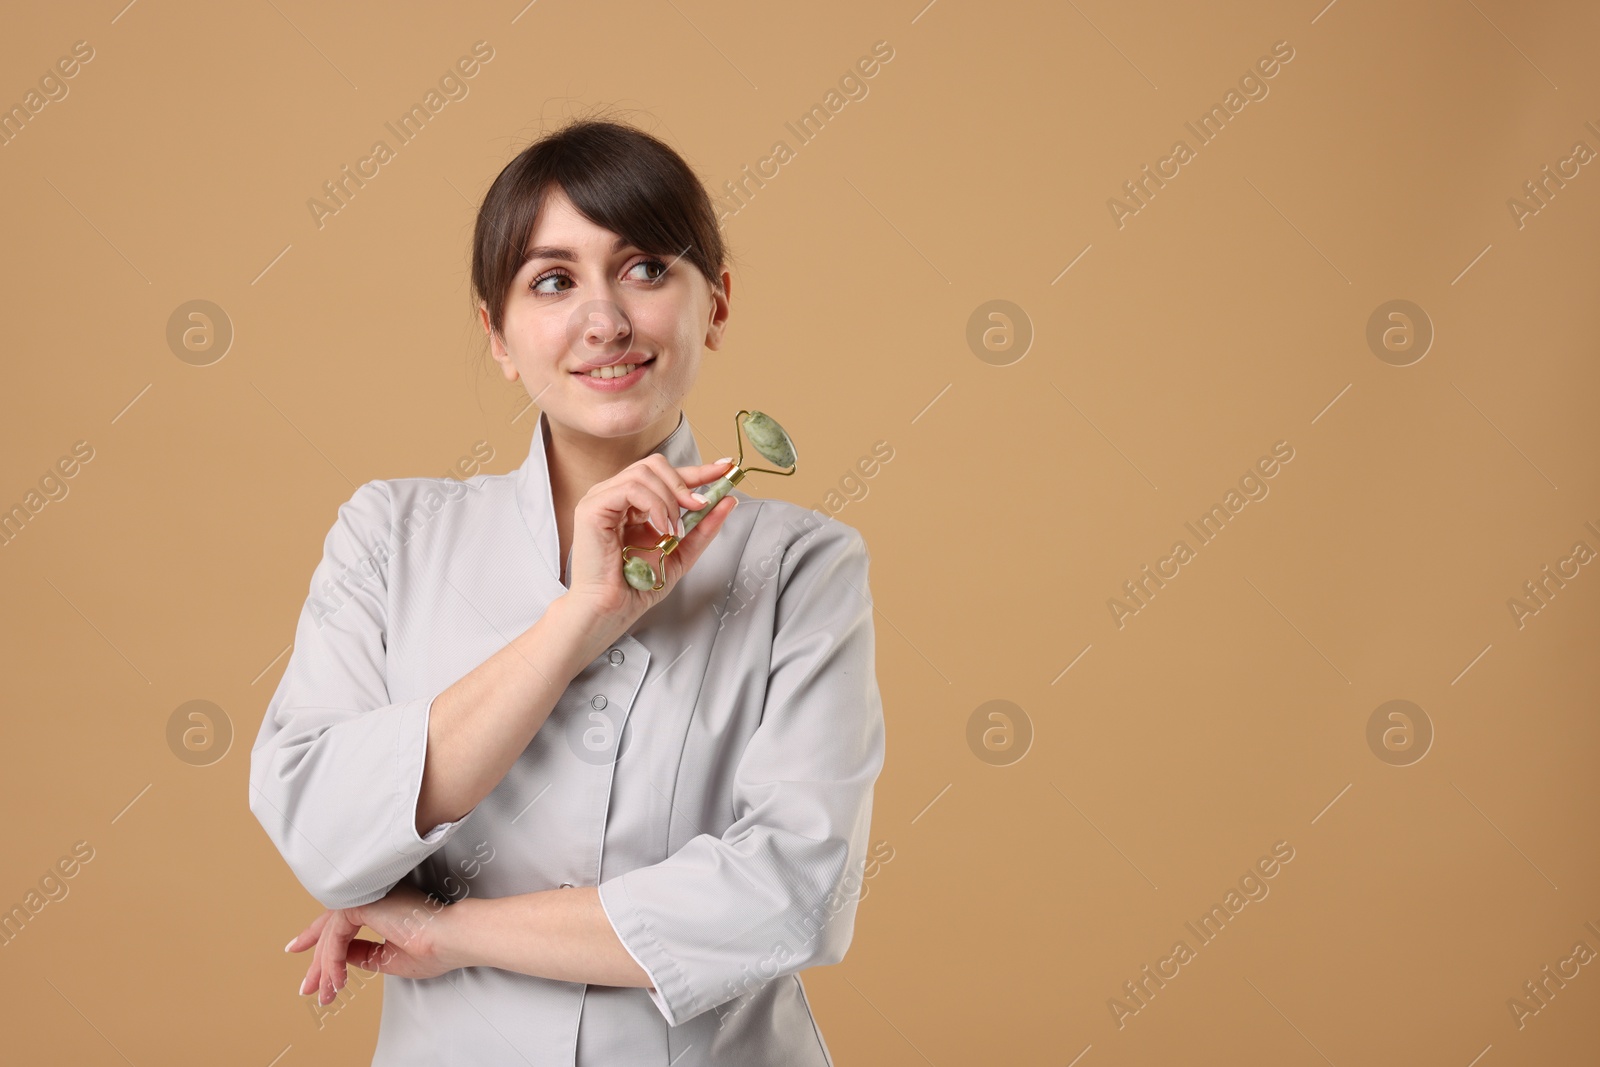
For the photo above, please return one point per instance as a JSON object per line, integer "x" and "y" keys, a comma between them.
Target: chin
{"x": 611, "y": 417}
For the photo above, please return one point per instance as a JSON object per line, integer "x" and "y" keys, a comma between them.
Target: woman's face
{"x": 580, "y": 302}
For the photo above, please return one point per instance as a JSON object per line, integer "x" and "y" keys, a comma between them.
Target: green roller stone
{"x": 769, "y": 438}
{"x": 639, "y": 574}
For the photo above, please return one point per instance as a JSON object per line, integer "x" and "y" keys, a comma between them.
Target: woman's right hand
{"x": 637, "y": 507}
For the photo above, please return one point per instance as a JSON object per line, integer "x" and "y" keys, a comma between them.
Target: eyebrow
{"x": 551, "y": 252}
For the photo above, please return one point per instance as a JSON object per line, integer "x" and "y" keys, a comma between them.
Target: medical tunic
{"x": 711, "y": 771}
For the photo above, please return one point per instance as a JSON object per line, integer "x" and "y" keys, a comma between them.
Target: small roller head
{"x": 770, "y": 439}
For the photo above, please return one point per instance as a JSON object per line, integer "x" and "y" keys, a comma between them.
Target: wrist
{"x": 585, "y": 632}
{"x": 455, "y": 933}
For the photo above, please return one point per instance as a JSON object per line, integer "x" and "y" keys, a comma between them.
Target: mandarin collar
{"x": 538, "y": 506}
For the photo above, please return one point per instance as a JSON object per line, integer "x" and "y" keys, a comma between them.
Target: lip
{"x": 614, "y": 385}
{"x": 626, "y": 357}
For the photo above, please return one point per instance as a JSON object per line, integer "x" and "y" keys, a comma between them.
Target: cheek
{"x": 669, "y": 323}
{"x": 655, "y": 327}
{"x": 689, "y": 341}
{"x": 544, "y": 338}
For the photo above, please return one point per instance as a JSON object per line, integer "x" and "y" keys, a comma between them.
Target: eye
{"x": 549, "y": 276}
{"x": 651, "y": 263}
{"x": 559, "y": 272}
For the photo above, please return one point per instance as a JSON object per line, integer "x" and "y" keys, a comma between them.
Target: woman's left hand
{"x": 407, "y": 921}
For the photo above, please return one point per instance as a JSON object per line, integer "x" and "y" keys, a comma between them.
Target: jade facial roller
{"x": 769, "y": 439}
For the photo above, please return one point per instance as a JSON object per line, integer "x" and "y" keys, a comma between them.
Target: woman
{"x": 646, "y": 811}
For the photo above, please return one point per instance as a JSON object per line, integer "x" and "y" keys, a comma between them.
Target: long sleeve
{"x": 336, "y": 768}
{"x": 777, "y": 891}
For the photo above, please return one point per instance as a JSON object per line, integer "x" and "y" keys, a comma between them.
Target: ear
{"x": 497, "y": 347}
{"x": 720, "y": 296}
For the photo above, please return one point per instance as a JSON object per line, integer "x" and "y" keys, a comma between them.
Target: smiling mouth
{"x": 615, "y": 370}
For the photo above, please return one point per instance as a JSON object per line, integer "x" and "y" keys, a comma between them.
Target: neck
{"x": 579, "y": 461}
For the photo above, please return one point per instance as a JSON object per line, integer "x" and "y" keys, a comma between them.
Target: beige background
{"x": 1229, "y": 313}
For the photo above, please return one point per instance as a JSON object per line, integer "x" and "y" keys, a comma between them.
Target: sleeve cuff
{"x": 411, "y": 755}
{"x": 671, "y": 989}
{"x": 437, "y": 833}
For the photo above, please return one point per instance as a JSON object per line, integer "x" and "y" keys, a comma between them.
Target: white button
{"x": 616, "y": 657}
{"x": 598, "y": 702}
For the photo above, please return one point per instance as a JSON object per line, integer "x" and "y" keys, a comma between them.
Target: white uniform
{"x": 711, "y": 772}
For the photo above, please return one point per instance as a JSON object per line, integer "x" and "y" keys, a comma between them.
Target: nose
{"x": 604, "y": 322}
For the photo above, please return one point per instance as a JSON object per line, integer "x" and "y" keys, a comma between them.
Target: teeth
{"x": 614, "y": 371}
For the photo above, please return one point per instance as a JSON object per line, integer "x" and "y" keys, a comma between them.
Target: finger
{"x": 639, "y": 533}
{"x": 673, "y": 486}
{"x": 660, "y": 486}
{"x": 313, "y": 979}
{"x": 308, "y": 937}
{"x": 368, "y": 955}
{"x": 673, "y": 483}
{"x": 690, "y": 550}
{"x": 327, "y": 992}
{"x": 335, "y": 951}
{"x": 679, "y": 480}
{"x": 336, "y": 934}
{"x": 322, "y": 992}
{"x": 704, "y": 473}
{"x": 636, "y": 491}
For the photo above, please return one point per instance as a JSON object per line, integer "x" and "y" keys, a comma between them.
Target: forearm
{"x": 480, "y": 725}
{"x": 562, "y": 934}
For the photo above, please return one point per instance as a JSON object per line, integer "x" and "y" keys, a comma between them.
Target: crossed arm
{"x": 562, "y": 934}
{"x": 783, "y": 875}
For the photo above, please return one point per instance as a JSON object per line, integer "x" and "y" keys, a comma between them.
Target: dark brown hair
{"x": 619, "y": 178}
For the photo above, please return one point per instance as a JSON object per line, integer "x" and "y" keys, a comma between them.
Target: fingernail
{"x": 288, "y": 946}
{"x": 698, "y": 499}
{"x": 682, "y": 533}
{"x": 724, "y": 459}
